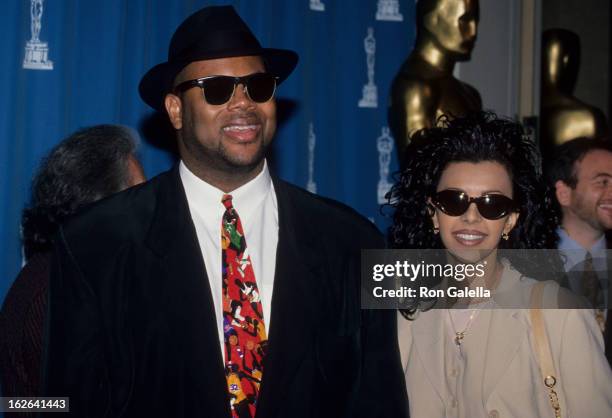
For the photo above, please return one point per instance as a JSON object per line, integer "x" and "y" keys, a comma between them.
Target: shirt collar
{"x": 600, "y": 245}
{"x": 207, "y": 198}
{"x": 567, "y": 243}
{"x": 574, "y": 251}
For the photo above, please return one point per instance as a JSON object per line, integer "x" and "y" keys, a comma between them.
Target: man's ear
{"x": 174, "y": 107}
{"x": 563, "y": 193}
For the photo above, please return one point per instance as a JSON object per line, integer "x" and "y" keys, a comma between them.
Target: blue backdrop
{"x": 98, "y": 50}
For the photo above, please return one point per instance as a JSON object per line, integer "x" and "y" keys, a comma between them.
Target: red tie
{"x": 244, "y": 332}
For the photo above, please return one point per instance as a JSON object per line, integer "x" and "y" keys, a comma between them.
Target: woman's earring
{"x": 430, "y": 209}
{"x": 505, "y": 236}
{"x": 436, "y": 230}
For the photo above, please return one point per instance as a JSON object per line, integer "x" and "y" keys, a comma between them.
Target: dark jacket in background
{"x": 21, "y": 330}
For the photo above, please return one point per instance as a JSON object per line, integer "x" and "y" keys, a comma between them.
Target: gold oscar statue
{"x": 562, "y": 116}
{"x": 424, "y": 88}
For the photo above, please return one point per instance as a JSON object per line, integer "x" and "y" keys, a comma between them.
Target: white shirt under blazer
{"x": 257, "y": 207}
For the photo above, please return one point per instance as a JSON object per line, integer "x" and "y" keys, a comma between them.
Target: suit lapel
{"x": 506, "y": 330}
{"x": 430, "y": 341}
{"x": 505, "y": 334}
{"x": 298, "y": 265}
{"x": 184, "y": 284}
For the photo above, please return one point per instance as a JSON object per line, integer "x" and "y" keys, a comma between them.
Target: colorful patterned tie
{"x": 244, "y": 332}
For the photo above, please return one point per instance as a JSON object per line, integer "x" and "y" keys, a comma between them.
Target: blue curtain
{"x": 98, "y": 51}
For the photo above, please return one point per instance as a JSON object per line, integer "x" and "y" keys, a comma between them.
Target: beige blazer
{"x": 507, "y": 381}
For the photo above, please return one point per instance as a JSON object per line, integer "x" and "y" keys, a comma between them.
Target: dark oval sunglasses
{"x": 219, "y": 89}
{"x": 456, "y": 203}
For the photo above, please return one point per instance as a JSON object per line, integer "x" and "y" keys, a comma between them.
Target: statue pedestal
{"x": 369, "y": 96}
{"x": 316, "y": 5}
{"x": 36, "y": 56}
{"x": 389, "y": 10}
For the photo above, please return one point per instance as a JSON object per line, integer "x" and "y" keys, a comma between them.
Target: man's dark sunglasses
{"x": 456, "y": 203}
{"x": 219, "y": 89}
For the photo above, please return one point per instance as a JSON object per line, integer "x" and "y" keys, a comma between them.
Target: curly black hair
{"x": 481, "y": 136}
{"x": 90, "y": 164}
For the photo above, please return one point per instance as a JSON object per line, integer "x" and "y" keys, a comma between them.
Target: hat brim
{"x": 158, "y": 81}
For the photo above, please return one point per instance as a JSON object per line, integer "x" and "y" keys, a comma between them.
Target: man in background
{"x": 581, "y": 174}
{"x": 90, "y": 164}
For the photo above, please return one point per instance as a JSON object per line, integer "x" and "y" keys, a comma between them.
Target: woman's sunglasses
{"x": 457, "y": 202}
{"x": 219, "y": 89}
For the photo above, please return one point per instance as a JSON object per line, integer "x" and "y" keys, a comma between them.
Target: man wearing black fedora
{"x": 217, "y": 289}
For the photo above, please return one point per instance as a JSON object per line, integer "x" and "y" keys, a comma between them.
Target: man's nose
{"x": 240, "y": 98}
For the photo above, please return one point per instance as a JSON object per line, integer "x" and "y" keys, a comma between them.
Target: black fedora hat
{"x": 213, "y": 32}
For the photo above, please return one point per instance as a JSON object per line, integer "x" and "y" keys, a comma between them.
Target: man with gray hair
{"x": 89, "y": 165}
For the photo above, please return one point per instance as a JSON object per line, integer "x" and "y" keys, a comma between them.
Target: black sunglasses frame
{"x": 484, "y": 203}
{"x": 201, "y": 82}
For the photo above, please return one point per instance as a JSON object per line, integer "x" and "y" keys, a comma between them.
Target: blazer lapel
{"x": 505, "y": 335}
{"x": 429, "y": 340}
{"x": 293, "y": 303}
{"x": 185, "y": 286}
{"x": 506, "y": 330}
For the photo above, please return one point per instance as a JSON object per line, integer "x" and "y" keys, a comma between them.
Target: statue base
{"x": 390, "y": 17}
{"x": 369, "y": 96}
{"x": 317, "y": 6}
{"x": 36, "y": 56}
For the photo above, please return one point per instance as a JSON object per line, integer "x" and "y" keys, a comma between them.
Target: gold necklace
{"x": 460, "y": 335}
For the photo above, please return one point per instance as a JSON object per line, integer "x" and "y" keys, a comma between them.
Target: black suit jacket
{"x": 132, "y": 328}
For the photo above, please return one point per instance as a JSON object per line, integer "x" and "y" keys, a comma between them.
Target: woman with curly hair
{"x": 470, "y": 186}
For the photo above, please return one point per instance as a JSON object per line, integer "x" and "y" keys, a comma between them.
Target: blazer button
{"x": 493, "y": 413}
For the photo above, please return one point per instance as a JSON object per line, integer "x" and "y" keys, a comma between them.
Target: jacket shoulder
{"x": 116, "y": 218}
{"x": 332, "y": 215}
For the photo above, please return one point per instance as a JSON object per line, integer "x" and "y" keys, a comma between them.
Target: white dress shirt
{"x": 257, "y": 208}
